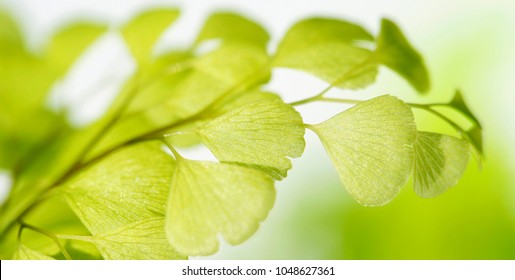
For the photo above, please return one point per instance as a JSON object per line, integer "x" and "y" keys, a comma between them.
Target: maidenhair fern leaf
{"x": 231, "y": 27}
{"x": 459, "y": 104}
{"x": 209, "y": 198}
{"x": 329, "y": 49}
{"x": 440, "y": 161}
{"x": 141, "y": 240}
{"x": 121, "y": 198}
{"x": 475, "y": 136}
{"x": 126, "y": 187}
{"x": 371, "y": 146}
{"x": 263, "y": 134}
{"x": 394, "y": 51}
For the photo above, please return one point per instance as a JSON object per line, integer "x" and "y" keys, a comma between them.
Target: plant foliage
{"x": 119, "y": 187}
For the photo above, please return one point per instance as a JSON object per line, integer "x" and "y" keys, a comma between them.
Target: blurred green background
{"x": 466, "y": 44}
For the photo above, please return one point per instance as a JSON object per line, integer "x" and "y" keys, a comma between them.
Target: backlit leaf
{"x": 233, "y": 27}
{"x": 475, "y": 136}
{"x": 122, "y": 196}
{"x": 234, "y": 62}
{"x": 440, "y": 161}
{"x": 178, "y": 138}
{"x": 263, "y": 134}
{"x": 126, "y": 187}
{"x": 25, "y": 253}
{"x": 394, "y": 51}
{"x": 330, "y": 50}
{"x": 371, "y": 146}
{"x": 141, "y": 240}
{"x": 459, "y": 104}
{"x": 142, "y": 32}
{"x": 208, "y": 199}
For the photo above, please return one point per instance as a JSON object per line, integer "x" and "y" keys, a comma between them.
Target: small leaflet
{"x": 371, "y": 147}
{"x": 208, "y": 199}
{"x": 440, "y": 161}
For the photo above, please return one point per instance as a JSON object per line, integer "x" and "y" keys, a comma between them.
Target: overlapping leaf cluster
{"x": 120, "y": 188}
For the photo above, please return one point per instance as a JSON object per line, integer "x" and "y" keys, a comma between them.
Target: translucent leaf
{"x": 209, "y": 198}
{"x": 242, "y": 99}
{"x": 122, "y": 201}
{"x": 141, "y": 240}
{"x": 234, "y": 62}
{"x": 475, "y": 136}
{"x": 320, "y": 31}
{"x": 233, "y": 27}
{"x": 66, "y": 46}
{"x": 25, "y": 253}
{"x": 181, "y": 136}
{"x": 128, "y": 186}
{"x": 371, "y": 146}
{"x": 440, "y": 161}
{"x": 459, "y": 104}
{"x": 262, "y": 134}
{"x": 394, "y": 51}
{"x": 330, "y": 50}
{"x": 143, "y": 31}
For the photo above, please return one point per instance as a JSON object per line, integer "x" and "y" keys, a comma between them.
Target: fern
{"x": 119, "y": 187}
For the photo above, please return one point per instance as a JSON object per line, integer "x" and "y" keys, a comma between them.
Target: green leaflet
{"x": 459, "y": 104}
{"x": 232, "y": 27}
{"x": 25, "y": 253}
{"x": 207, "y": 199}
{"x": 141, "y": 240}
{"x": 371, "y": 146}
{"x": 440, "y": 161}
{"x": 143, "y": 31}
{"x": 182, "y": 139}
{"x": 475, "y": 136}
{"x": 394, "y": 51}
{"x": 329, "y": 49}
{"x": 106, "y": 197}
{"x": 122, "y": 194}
{"x": 245, "y": 98}
{"x": 234, "y": 63}
{"x": 66, "y": 46}
{"x": 260, "y": 134}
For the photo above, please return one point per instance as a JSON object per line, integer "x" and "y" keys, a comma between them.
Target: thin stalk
{"x": 76, "y": 237}
{"x": 427, "y": 107}
{"x": 46, "y": 233}
{"x": 345, "y": 77}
